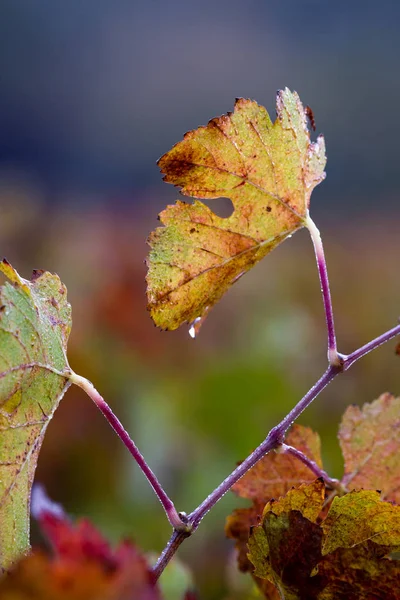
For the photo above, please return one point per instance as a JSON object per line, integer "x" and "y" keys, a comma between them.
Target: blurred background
{"x": 93, "y": 93}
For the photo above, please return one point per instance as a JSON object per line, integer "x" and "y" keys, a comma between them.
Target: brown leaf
{"x": 345, "y": 558}
{"x": 272, "y": 477}
{"x": 276, "y": 473}
{"x": 370, "y": 442}
{"x": 238, "y": 526}
{"x": 286, "y": 546}
{"x": 358, "y": 573}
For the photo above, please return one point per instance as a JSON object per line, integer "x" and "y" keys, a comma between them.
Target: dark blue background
{"x": 94, "y": 92}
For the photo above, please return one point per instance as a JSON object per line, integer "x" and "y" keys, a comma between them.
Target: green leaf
{"x": 35, "y": 322}
{"x": 370, "y": 442}
{"x": 267, "y": 170}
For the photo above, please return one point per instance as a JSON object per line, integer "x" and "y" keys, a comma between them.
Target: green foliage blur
{"x": 196, "y": 407}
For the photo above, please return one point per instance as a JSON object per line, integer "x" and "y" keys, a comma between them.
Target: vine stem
{"x": 333, "y": 357}
{"x": 173, "y": 517}
{"x": 349, "y": 360}
{"x": 174, "y": 542}
{"x": 312, "y": 465}
{"x": 274, "y": 439}
{"x": 338, "y": 363}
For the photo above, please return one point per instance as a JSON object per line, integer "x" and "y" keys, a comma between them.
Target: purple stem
{"x": 273, "y": 440}
{"x": 173, "y": 517}
{"x": 333, "y": 356}
{"x": 174, "y": 542}
{"x": 349, "y": 360}
{"x": 312, "y": 465}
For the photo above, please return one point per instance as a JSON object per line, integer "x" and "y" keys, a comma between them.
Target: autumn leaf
{"x": 268, "y": 170}
{"x": 272, "y": 477}
{"x": 83, "y": 566}
{"x": 344, "y": 557}
{"x": 35, "y": 322}
{"x": 360, "y": 516}
{"x": 370, "y": 442}
{"x": 285, "y": 547}
{"x": 276, "y": 473}
{"x": 358, "y": 573}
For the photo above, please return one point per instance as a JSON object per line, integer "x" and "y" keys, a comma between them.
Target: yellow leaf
{"x": 268, "y": 170}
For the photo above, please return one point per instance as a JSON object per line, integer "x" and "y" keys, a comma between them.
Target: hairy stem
{"x": 173, "y": 517}
{"x": 174, "y": 542}
{"x": 349, "y": 360}
{"x": 312, "y": 465}
{"x": 333, "y": 356}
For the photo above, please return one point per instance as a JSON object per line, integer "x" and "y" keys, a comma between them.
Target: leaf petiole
{"x": 173, "y": 517}
{"x": 312, "y": 465}
{"x": 334, "y": 358}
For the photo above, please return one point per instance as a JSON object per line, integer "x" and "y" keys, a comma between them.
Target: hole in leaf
{"x": 222, "y": 207}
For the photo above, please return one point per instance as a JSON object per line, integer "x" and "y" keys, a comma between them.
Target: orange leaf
{"x": 272, "y": 477}
{"x": 370, "y": 442}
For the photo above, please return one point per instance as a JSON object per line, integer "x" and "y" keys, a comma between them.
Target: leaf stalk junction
{"x": 185, "y": 525}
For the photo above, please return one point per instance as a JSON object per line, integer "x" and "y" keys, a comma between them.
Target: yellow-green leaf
{"x": 358, "y": 517}
{"x": 268, "y": 170}
{"x": 35, "y": 322}
{"x": 346, "y": 557}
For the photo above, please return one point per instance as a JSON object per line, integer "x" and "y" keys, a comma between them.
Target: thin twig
{"x": 313, "y": 466}
{"x": 349, "y": 360}
{"x": 170, "y": 510}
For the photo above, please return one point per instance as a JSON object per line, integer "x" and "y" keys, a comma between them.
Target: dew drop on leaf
{"x": 195, "y": 325}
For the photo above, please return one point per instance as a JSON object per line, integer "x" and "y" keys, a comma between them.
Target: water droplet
{"x": 195, "y": 325}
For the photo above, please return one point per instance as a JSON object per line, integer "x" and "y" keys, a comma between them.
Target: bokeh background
{"x": 92, "y": 93}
